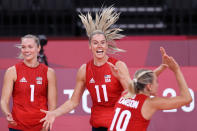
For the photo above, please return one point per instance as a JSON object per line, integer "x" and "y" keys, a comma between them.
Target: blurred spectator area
{"x": 60, "y": 17}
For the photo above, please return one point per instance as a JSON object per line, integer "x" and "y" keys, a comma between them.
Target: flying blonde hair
{"x": 104, "y": 19}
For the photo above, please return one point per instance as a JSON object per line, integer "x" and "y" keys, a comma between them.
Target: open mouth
{"x": 99, "y": 51}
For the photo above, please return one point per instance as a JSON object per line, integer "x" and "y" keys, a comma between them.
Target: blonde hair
{"x": 36, "y": 39}
{"x": 102, "y": 24}
{"x": 141, "y": 78}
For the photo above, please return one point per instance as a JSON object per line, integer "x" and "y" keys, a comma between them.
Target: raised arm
{"x": 69, "y": 104}
{"x": 163, "y": 66}
{"x": 52, "y": 89}
{"x": 165, "y": 103}
{"x": 8, "y": 83}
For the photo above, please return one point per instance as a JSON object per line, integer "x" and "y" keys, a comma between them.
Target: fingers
{"x": 173, "y": 60}
{"x": 112, "y": 66}
{"x": 43, "y": 119}
{"x": 13, "y": 123}
{"x": 11, "y": 120}
{"x": 47, "y": 125}
{"x": 50, "y": 126}
{"x": 44, "y": 111}
{"x": 163, "y": 52}
{"x": 44, "y": 124}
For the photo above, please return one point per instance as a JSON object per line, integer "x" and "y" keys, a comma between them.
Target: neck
{"x": 145, "y": 92}
{"x": 100, "y": 62}
{"x": 129, "y": 95}
{"x": 32, "y": 63}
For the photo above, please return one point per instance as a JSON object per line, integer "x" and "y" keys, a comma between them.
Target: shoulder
{"x": 82, "y": 68}
{"x": 81, "y": 72}
{"x": 11, "y": 73}
{"x": 148, "y": 107}
{"x": 11, "y": 70}
{"x": 154, "y": 103}
{"x": 50, "y": 70}
{"x": 50, "y": 73}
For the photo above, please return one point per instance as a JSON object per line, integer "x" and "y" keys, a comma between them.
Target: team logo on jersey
{"x": 107, "y": 78}
{"x": 39, "y": 80}
{"x": 23, "y": 79}
{"x": 92, "y": 81}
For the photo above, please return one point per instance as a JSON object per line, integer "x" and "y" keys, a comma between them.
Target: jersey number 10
{"x": 120, "y": 120}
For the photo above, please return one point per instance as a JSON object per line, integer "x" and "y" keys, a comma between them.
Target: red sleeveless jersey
{"x": 127, "y": 115}
{"x": 29, "y": 96}
{"x": 104, "y": 90}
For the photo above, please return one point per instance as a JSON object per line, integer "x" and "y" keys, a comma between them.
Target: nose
{"x": 100, "y": 44}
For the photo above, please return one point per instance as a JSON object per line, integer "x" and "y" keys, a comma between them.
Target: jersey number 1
{"x": 32, "y": 93}
{"x": 104, "y": 92}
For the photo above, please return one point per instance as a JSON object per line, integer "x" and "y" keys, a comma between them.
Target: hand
{"x": 163, "y": 54}
{"x": 10, "y": 119}
{"x": 115, "y": 71}
{"x": 48, "y": 119}
{"x": 172, "y": 64}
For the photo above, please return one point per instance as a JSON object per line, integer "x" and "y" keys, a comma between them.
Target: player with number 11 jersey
{"x": 104, "y": 89}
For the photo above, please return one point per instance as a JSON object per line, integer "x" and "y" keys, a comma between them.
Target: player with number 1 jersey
{"x": 32, "y": 86}
{"x": 104, "y": 89}
{"x": 30, "y": 89}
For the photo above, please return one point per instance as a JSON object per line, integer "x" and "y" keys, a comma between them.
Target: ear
{"x": 148, "y": 86}
{"x": 39, "y": 48}
{"x": 89, "y": 46}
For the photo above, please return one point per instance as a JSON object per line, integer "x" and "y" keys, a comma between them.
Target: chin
{"x": 99, "y": 56}
{"x": 28, "y": 59}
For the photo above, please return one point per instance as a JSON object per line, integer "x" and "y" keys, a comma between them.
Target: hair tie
{"x": 135, "y": 80}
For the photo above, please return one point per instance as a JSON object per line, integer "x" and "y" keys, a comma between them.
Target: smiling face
{"x": 98, "y": 46}
{"x": 29, "y": 49}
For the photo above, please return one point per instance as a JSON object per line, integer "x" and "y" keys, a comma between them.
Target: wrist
{"x": 163, "y": 66}
{"x": 177, "y": 70}
{"x": 7, "y": 114}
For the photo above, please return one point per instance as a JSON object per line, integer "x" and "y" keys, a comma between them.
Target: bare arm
{"x": 8, "y": 83}
{"x": 163, "y": 66}
{"x": 69, "y": 104}
{"x": 52, "y": 89}
{"x": 184, "y": 97}
{"x": 165, "y": 103}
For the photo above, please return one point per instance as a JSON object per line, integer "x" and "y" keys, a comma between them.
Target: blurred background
{"x": 59, "y": 18}
{"x": 147, "y": 24}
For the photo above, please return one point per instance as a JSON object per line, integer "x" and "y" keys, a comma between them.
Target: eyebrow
{"x": 97, "y": 40}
